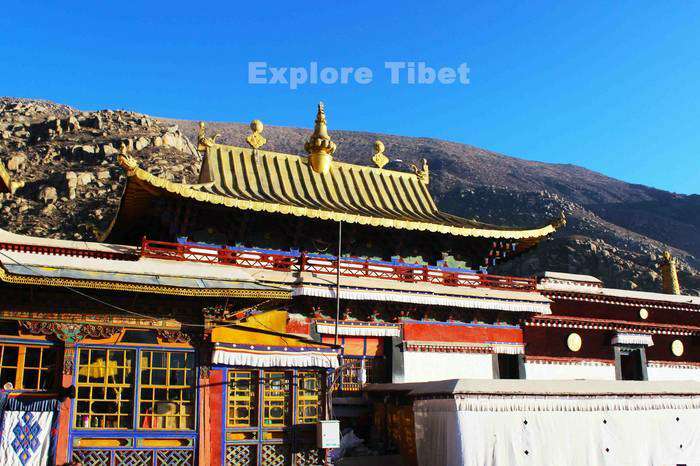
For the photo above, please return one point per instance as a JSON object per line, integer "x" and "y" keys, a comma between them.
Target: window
{"x": 264, "y": 398}
{"x": 276, "y": 393}
{"x": 242, "y": 398}
{"x": 630, "y": 363}
{"x": 105, "y": 388}
{"x": 375, "y": 370}
{"x": 308, "y": 394}
{"x": 167, "y": 390}
{"x": 509, "y": 366}
{"x": 28, "y": 367}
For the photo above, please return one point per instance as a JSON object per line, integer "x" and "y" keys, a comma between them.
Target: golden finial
{"x": 423, "y": 173}
{"x": 319, "y": 146}
{"x": 126, "y": 160}
{"x": 669, "y": 274}
{"x": 379, "y": 158}
{"x": 561, "y": 221}
{"x": 203, "y": 142}
{"x": 256, "y": 140}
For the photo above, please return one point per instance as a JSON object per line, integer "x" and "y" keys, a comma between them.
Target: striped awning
{"x": 434, "y": 299}
{"x": 364, "y": 329}
{"x": 274, "y": 356}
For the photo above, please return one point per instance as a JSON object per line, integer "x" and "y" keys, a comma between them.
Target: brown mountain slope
{"x": 617, "y": 231}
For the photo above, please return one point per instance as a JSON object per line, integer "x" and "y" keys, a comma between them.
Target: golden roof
{"x": 259, "y": 180}
{"x": 316, "y": 186}
{"x": 5, "y": 183}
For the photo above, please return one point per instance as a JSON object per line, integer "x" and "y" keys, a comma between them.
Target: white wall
{"x": 672, "y": 373}
{"x": 428, "y": 366}
{"x": 537, "y": 371}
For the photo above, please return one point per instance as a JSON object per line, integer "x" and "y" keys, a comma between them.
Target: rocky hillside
{"x": 67, "y": 161}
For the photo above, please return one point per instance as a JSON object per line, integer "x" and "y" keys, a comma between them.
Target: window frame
{"x": 135, "y": 429}
{"x": 259, "y": 395}
{"x": 22, "y": 346}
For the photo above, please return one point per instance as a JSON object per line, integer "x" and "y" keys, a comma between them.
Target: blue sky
{"x": 612, "y": 86}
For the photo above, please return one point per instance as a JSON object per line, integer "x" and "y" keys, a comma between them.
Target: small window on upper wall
{"x": 631, "y": 363}
{"x": 510, "y": 366}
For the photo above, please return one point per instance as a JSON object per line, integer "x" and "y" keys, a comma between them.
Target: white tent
{"x": 556, "y": 423}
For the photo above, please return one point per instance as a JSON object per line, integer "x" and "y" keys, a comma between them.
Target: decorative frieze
{"x": 69, "y": 332}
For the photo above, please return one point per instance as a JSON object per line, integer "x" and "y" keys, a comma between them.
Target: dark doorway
{"x": 631, "y": 363}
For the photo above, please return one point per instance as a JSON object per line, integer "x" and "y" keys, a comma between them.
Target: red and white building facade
{"x": 600, "y": 333}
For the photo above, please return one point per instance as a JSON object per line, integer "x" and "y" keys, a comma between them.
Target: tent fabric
{"x": 557, "y": 430}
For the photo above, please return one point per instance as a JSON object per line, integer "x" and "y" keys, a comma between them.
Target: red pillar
{"x": 64, "y": 419}
{"x": 216, "y": 416}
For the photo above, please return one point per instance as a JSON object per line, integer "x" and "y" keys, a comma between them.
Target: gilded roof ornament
{"x": 256, "y": 140}
{"x": 669, "y": 274}
{"x": 422, "y": 172}
{"x": 319, "y": 146}
{"x": 561, "y": 221}
{"x": 125, "y": 160}
{"x": 5, "y": 182}
{"x": 203, "y": 142}
{"x": 379, "y": 158}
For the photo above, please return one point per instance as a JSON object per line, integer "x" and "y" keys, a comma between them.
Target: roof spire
{"x": 319, "y": 146}
{"x": 669, "y": 274}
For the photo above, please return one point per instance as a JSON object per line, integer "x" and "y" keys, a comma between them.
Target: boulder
{"x": 141, "y": 143}
{"x": 109, "y": 149}
{"x": 17, "y": 162}
{"x": 169, "y": 140}
{"x": 48, "y": 195}
{"x": 85, "y": 178}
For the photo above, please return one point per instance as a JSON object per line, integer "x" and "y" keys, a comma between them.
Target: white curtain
{"x": 555, "y": 431}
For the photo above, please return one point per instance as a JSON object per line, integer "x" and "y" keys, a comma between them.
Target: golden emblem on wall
{"x": 677, "y": 348}
{"x": 643, "y": 314}
{"x": 379, "y": 158}
{"x": 574, "y": 342}
{"x": 256, "y": 140}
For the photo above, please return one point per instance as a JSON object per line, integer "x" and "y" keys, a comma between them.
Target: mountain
{"x": 616, "y": 230}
